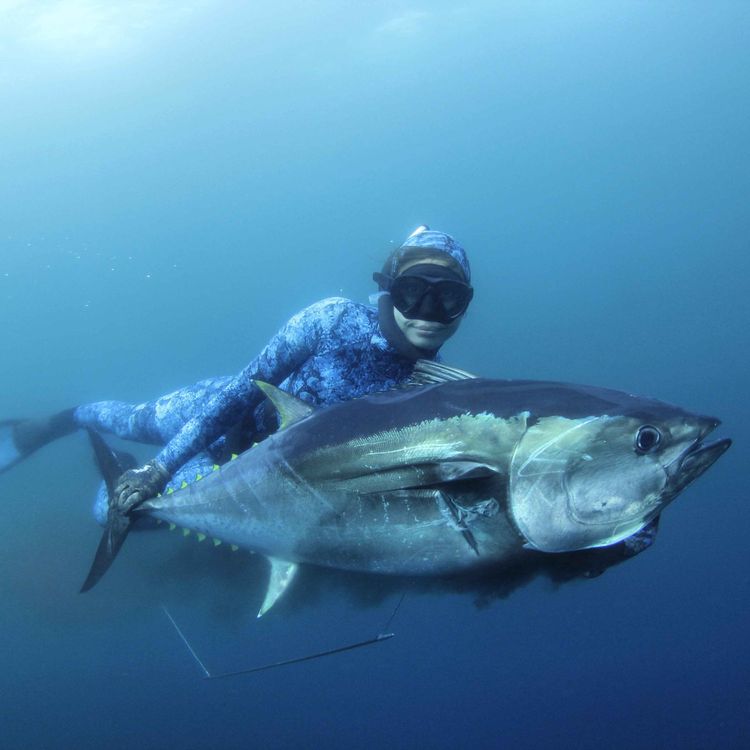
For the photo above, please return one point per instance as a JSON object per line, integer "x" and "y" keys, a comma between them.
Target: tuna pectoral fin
{"x": 281, "y": 576}
{"x": 457, "y": 515}
{"x": 118, "y": 525}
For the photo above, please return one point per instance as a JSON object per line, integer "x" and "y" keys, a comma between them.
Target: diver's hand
{"x": 137, "y": 485}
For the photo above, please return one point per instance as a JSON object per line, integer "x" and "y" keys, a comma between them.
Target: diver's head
{"x": 427, "y": 284}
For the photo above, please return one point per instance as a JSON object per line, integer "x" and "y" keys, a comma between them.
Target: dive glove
{"x": 137, "y": 485}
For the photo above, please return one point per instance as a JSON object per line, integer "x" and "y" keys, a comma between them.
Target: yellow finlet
{"x": 201, "y": 536}
{"x": 234, "y": 455}
{"x": 183, "y": 485}
{"x": 216, "y": 542}
{"x": 186, "y": 532}
{"x": 198, "y": 477}
{"x": 170, "y": 491}
{"x": 234, "y": 548}
{"x": 216, "y": 467}
{"x": 172, "y": 526}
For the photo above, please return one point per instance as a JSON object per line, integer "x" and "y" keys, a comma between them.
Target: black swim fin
{"x": 111, "y": 465}
{"x": 19, "y": 438}
{"x": 10, "y": 455}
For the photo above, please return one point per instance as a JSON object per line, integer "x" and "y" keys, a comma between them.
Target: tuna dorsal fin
{"x": 290, "y": 408}
{"x": 282, "y": 573}
{"x": 427, "y": 372}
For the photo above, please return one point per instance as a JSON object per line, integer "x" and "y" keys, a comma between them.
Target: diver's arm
{"x": 284, "y": 353}
{"x": 303, "y": 335}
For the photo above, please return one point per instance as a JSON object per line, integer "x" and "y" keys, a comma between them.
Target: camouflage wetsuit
{"x": 332, "y": 351}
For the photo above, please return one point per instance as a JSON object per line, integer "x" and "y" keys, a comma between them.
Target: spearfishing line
{"x": 185, "y": 641}
{"x": 382, "y": 636}
{"x": 384, "y": 629}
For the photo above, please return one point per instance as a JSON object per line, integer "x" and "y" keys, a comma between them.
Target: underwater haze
{"x": 177, "y": 178}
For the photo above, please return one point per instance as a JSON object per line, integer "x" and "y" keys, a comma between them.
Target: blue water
{"x": 178, "y": 178}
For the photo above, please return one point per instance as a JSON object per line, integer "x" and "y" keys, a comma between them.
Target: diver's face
{"x": 425, "y": 334}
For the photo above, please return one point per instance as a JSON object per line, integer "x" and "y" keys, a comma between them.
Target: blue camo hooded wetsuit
{"x": 332, "y": 351}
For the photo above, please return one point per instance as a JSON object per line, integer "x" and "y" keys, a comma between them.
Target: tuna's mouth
{"x": 697, "y": 458}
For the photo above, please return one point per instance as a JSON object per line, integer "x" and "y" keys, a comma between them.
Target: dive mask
{"x": 427, "y": 291}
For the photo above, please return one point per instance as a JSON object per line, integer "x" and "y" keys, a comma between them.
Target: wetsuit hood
{"x": 427, "y": 243}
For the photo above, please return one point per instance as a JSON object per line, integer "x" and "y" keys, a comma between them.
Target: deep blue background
{"x": 177, "y": 178}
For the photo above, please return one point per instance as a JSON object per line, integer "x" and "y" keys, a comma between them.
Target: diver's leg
{"x": 137, "y": 422}
{"x": 154, "y": 422}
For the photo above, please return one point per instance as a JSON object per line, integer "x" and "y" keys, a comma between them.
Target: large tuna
{"x": 451, "y": 474}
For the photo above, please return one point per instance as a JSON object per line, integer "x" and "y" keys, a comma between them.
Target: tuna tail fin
{"x": 118, "y": 524}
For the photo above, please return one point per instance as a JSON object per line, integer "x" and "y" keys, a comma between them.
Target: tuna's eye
{"x": 647, "y": 439}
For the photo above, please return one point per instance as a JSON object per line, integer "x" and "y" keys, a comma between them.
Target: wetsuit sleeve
{"x": 285, "y": 352}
